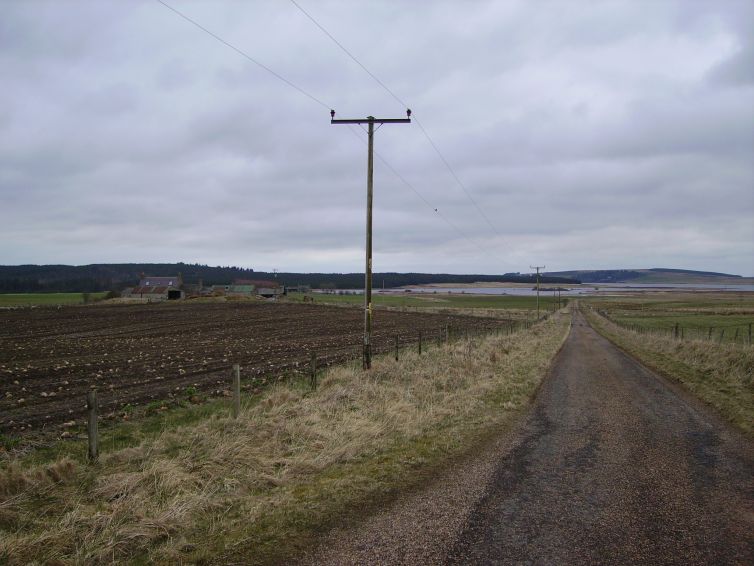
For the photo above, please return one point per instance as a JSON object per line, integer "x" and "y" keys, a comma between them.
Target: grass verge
{"x": 440, "y": 300}
{"x": 49, "y": 299}
{"x": 722, "y": 375}
{"x": 261, "y": 488}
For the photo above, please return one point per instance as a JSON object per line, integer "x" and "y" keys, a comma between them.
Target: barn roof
{"x": 257, "y": 283}
{"x": 150, "y": 290}
{"x": 160, "y": 281}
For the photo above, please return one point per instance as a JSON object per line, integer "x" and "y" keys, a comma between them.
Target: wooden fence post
{"x": 709, "y": 334}
{"x": 396, "y": 347}
{"x": 236, "y": 375}
{"x": 750, "y": 334}
{"x": 314, "y": 370}
{"x": 420, "y": 342}
{"x": 735, "y": 338}
{"x": 722, "y": 335}
{"x": 675, "y": 331}
{"x": 91, "y": 428}
{"x": 447, "y": 333}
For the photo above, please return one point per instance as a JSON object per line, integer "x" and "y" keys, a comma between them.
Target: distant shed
{"x": 157, "y": 289}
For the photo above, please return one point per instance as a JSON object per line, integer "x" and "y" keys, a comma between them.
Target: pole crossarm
{"x": 371, "y": 120}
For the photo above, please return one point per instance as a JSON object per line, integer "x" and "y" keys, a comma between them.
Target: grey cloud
{"x": 592, "y": 135}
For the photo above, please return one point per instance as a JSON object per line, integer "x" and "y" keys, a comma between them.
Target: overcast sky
{"x": 590, "y": 134}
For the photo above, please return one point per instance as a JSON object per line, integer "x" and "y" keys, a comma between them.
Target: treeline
{"x": 115, "y": 277}
{"x": 692, "y": 272}
{"x": 107, "y": 276}
{"x": 608, "y": 275}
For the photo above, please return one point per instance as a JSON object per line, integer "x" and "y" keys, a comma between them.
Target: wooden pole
{"x": 420, "y": 342}
{"x": 313, "y": 364}
{"x": 370, "y": 121}
{"x": 396, "y": 347}
{"x": 750, "y": 334}
{"x": 92, "y": 430}
{"x": 367, "y": 363}
{"x": 236, "y": 374}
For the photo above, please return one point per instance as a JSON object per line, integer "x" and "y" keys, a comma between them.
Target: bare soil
{"x": 134, "y": 354}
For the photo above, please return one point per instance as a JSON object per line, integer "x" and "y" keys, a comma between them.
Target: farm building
{"x": 157, "y": 289}
{"x": 250, "y": 288}
{"x": 262, "y": 287}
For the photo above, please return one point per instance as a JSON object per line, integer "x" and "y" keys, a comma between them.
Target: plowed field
{"x": 50, "y": 357}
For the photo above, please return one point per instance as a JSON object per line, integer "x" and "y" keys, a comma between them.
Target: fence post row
{"x": 236, "y": 376}
{"x": 313, "y": 364}
{"x": 91, "y": 428}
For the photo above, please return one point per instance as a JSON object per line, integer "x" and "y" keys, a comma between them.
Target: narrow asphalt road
{"x": 612, "y": 465}
{"x": 615, "y": 466}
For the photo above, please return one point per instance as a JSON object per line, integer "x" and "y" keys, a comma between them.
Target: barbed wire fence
{"x": 735, "y": 333}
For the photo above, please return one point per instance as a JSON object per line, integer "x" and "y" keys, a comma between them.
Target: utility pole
{"x": 370, "y": 121}
{"x": 537, "y": 267}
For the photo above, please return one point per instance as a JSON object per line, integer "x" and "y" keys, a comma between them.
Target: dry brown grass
{"x": 722, "y": 375}
{"x": 252, "y": 489}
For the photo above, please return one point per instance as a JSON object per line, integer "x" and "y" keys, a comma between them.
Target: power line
{"x": 244, "y": 54}
{"x": 436, "y": 210}
{"x": 321, "y": 103}
{"x": 455, "y": 176}
{"x": 402, "y": 103}
{"x": 347, "y": 52}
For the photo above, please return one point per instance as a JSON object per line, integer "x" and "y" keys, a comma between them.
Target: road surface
{"x": 613, "y": 465}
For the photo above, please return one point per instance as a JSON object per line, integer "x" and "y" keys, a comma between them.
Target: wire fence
{"x": 736, "y": 333}
{"x": 419, "y": 341}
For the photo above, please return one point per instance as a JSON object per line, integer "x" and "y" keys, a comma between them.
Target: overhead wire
{"x": 442, "y": 157}
{"x": 244, "y": 54}
{"x": 403, "y": 180}
{"x": 321, "y": 103}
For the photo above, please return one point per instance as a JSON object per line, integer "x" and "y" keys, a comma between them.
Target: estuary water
{"x": 570, "y": 291}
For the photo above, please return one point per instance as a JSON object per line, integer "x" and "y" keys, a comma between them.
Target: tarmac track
{"x": 612, "y": 465}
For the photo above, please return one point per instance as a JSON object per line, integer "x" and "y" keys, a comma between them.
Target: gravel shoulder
{"x": 611, "y": 465}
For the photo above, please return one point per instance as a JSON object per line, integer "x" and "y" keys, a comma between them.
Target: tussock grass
{"x": 260, "y": 488}
{"x": 722, "y": 375}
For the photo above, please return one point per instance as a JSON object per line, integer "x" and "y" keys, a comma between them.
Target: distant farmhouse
{"x": 173, "y": 288}
{"x": 249, "y": 288}
{"x": 157, "y": 289}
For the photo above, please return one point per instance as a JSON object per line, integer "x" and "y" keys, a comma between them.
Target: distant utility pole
{"x": 371, "y": 121}
{"x": 537, "y": 267}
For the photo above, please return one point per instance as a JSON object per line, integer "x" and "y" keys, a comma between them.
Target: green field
{"x": 41, "y": 299}
{"x": 438, "y": 301}
{"x": 720, "y": 317}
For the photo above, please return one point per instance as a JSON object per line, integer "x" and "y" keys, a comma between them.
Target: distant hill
{"x": 115, "y": 277}
{"x": 654, "y": 275}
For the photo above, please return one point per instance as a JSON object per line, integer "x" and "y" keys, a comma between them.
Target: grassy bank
{"x": 260, "y": 488}
{"x": 439, "y": 300}
{"x": 48, "y": 299}
{"x": 719, "y": 317}
{"x": 722, "y": 375}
